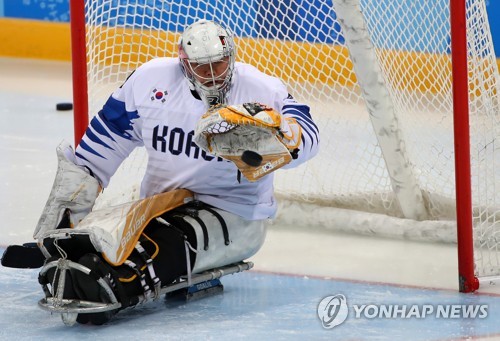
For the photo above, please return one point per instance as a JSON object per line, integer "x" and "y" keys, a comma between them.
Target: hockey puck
{"x": 64, "y": 106}
{"x": 252, "y": 159}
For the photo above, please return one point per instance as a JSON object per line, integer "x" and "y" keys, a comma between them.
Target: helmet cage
{"x": 207, "y": 56}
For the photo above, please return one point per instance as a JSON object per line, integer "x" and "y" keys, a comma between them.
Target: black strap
{"x": 205, "y": 231}
{"x": 191, "y": 209}
{"x": 140, "y": 274}
{"x": 222, "y": 223}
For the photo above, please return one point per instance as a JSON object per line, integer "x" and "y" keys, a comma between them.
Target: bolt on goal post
{"x": 384, "y": 79}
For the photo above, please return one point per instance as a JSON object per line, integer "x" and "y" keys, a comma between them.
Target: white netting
{"x": 302, "y": 43}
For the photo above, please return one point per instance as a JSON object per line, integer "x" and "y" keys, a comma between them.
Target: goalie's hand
{"x": 256, "y": 138}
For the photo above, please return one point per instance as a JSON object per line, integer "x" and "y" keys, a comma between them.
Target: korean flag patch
{"x": 158, "y": 95}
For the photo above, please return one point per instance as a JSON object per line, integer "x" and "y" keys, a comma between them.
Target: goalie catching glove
{"x": 256, "y": 138}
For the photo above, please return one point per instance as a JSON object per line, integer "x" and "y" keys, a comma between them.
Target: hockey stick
{"x": 26, "y": 256}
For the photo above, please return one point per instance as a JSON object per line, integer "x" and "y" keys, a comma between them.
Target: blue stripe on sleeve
{"x": 304, "y": 132}
{"x": 304, "y": 140}
{"x": 116, "y": 117}
{"x": 311, "y": 126}
{"x": 301, "y": 113}
{"x": 94, "y": 138}
{"x": 80, "y": 156}
{"x": 99, "y": 128}
{"x": 307, "y": 123}
{"x": 302, "y": 108}
{"x": 304, "y": 116}
{"x": 86, "y": 147}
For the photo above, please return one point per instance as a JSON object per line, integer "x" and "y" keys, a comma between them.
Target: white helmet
{"x": 207, "y": 54}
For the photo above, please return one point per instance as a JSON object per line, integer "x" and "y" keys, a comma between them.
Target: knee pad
{"x": 217, "y": 237}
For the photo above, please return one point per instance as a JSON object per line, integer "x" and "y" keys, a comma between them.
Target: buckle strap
{"x": 142, "y": 277}
{"x": 149, "y": 265}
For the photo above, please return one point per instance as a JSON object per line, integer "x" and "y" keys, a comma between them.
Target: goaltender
{"x": 214, "y": 130}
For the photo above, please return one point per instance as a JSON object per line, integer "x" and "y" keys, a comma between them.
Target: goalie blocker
{"x": 124, "y": 255}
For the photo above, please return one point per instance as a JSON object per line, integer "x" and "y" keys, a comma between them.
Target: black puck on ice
{"x": 64, "y": 106}
{"x": 252, "y": 159}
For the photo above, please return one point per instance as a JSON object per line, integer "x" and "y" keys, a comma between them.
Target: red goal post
{"x": 407, "y": 106}
{"x": 79, "y": 68}
{"x": 468, "y": 281}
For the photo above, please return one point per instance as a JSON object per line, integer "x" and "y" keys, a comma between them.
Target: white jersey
{"x": 155, "y": 108}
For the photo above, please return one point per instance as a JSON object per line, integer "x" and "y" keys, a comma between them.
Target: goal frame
{"x": 79, "y": 69}
{"x": 468, "y": 282}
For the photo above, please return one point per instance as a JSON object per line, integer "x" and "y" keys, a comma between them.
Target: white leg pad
{"x": 245, "y": 239}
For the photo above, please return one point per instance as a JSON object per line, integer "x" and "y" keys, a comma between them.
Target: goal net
{"x": 378, "y": 77}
